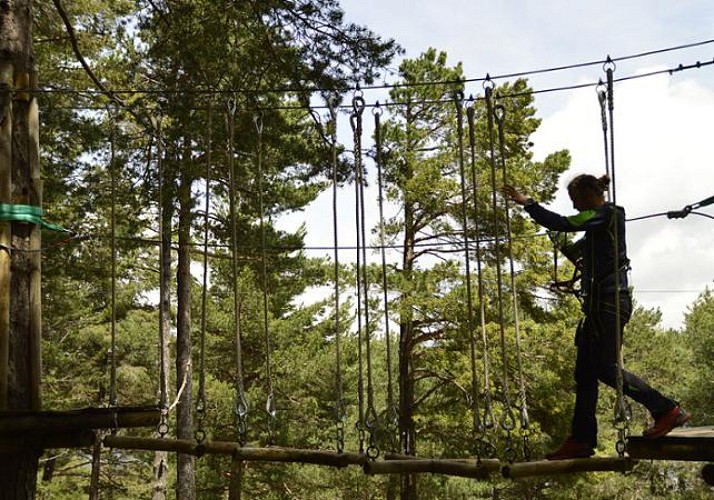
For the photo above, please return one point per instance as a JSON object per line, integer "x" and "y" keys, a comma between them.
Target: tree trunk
{"x": 186, "y": 466}
{"x": 20, "y": 358}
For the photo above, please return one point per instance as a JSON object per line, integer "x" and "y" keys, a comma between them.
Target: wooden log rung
{"x": 463, "y": 468}
{"x": 48, "y": 422}
{"x": 555, "y": 467}
{"x": 238, "y": 452}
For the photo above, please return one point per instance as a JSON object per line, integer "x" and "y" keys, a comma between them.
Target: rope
{"x": 241, "y": 408}
{"x": 602, "y": 99}
{"x": 507, "y": 418}
{"x": 392, "y": 413}
{"x": 355, "y": 122}
{"x": 200, "y": 434}
{"x": 488, "y": 419}
{"x": 370, "y": 416}
{"x": 164, "y": 254}
{"x": 270, "y": 403}
{"x": 621, "y": 418}
{"x": 340, "y": 412}
{"x": 500, "y": 115}
{"x": 113, "y": 250}
{"x": 475, "y": 411}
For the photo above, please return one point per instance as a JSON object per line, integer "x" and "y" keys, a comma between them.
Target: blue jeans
{"x": 597, "y": 362}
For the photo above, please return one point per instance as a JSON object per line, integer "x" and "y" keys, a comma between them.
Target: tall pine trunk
{"x": 20, "y": 325}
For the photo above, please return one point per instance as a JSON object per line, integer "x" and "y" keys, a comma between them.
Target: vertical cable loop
{"x": 201, "y": 402}
{"x": 241, "y": 406}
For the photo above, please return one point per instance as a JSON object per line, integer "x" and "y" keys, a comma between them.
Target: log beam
{"x": 462, "y": 468}
{"x": 554, "y": 467}
{"x": 271, "y": 454}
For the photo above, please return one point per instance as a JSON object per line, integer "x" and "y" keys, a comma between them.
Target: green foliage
{"x": 196, "y": 60}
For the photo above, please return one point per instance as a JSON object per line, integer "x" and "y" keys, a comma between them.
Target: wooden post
{"x": 18, "y": 471}
{"x": 6, "y": 82}
{"x": 235, "y": 486}
{"x": 24, "y": 82}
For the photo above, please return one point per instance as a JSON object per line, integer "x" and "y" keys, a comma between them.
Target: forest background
{"x": 144, "y": 105}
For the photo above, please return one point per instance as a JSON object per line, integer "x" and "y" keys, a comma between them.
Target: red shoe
{"x": 571, "y": 449}
{"x": 663, "y": 424}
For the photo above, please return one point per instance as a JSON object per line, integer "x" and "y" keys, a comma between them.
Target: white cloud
{"x": 662, "y": 126}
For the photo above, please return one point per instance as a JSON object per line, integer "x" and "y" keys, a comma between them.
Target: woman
{"x": 604, "y": 281}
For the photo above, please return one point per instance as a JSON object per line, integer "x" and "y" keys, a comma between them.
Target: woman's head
{"x": 587, "y": 191}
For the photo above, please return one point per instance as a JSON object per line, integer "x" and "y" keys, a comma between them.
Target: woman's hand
{"x": 514, "y": 194}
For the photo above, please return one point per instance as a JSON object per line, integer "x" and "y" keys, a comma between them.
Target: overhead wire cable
{"x": 386, "y": 104}
{"x": 316, "y": 89}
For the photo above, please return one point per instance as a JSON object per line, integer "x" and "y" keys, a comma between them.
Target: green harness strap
{"x": 30, "y": 214}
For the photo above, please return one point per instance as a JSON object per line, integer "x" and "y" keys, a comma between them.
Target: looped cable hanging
{"x": 507, "y": 421}
{"x": 362, "y": 281}
{"x": 201, "y": 402}
{"x": 621, "y": 413}
{"x": 113, "y": 249}
{"x": 500, "y": 114}
{"x": 241, "y": 400}
{"x": 488, "y": 419}
{"x": 476, "y": 424}
{"x": 356, "y": 123}
{"x": 164, "y": 251}
{"x": 391, "y": 411}
{"x": 270, "y": 403}
{"x": 340, "y": 410}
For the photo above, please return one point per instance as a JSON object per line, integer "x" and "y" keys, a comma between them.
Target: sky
{"x": 663, "y": 124}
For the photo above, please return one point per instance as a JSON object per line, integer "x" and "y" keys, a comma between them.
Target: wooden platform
{"x": 687, "y": 443}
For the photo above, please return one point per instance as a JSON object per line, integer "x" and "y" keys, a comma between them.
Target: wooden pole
{"x": 6, "y": 82}
{"x": 555, "y": 467}
{"x": 14, "y": 422}
{"x": 272, "y": 454}
{"x": 235, "y": 487}
{"x": 26, "y": 81}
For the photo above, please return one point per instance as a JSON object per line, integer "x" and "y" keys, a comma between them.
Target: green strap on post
{"x": 29, "y": 214}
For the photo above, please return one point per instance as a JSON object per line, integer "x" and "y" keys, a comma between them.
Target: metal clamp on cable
{"x": 679, "y": 214}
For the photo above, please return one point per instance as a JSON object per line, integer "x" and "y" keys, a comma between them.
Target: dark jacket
{"x": 596, "y": 248}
